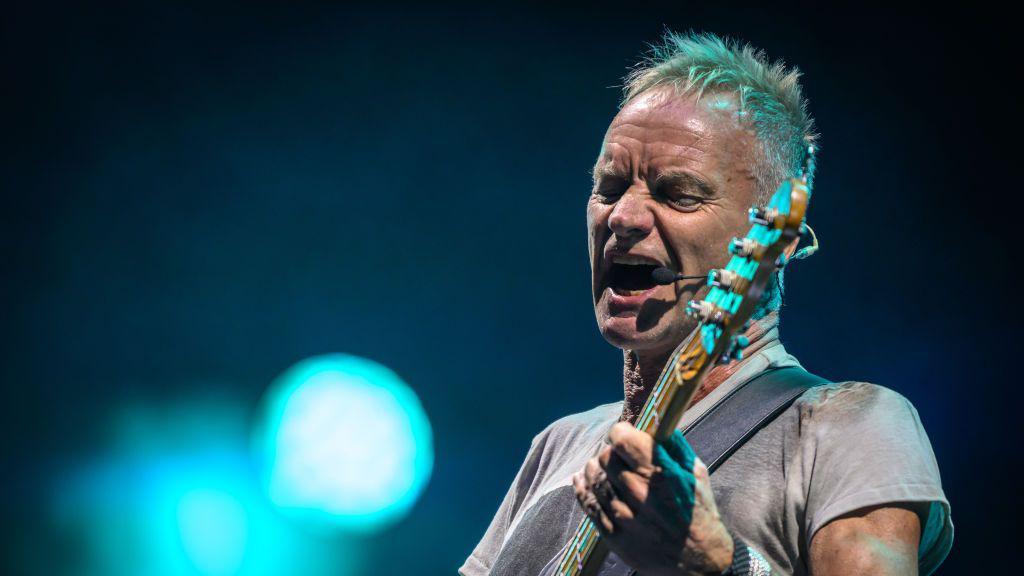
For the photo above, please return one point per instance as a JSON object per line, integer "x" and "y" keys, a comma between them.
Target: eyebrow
{"x": 668, "y": 177}
{"x": 606, "y": 170}
{"x": 686, "y": 179}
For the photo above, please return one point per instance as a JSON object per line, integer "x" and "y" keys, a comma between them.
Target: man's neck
{"x": 641, "y": 370}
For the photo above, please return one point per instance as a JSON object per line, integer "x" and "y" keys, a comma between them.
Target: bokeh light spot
{"x": 213, "y": 528}
{"x": 347, "y": 443}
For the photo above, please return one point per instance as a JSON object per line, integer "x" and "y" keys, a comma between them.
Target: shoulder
{"x": 866, "y": 440}
{"x": 863, "y": 445}
{"x": 592, "y": 422}
{"x": 583, "y": 428}
{"x": 866, "y": 425}
{"x": 852, "y": 402}
{"x": 847, "y": 392}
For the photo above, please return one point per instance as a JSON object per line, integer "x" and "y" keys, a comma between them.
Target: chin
{"x": 622, "y": 332}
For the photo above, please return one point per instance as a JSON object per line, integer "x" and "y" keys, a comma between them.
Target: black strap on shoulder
{"x": 746, "y": 410}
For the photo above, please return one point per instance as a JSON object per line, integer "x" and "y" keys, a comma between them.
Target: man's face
{"x": 672, "y": 187}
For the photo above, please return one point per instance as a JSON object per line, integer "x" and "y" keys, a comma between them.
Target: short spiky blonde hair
{"x": 770, "y": 101}
{"x": 770, "y": 98}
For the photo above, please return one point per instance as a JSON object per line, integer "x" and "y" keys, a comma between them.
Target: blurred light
{"x": 347, "y": 443}
{"x": 213, "y": 529}
{"x": 175, "y": 493}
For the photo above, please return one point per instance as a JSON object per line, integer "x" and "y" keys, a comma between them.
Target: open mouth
{"x": 631, "y": 278}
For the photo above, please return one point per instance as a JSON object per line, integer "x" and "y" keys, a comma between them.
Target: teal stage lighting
{"x": 175, "y": 493}
{"x": 346, "y": 444}
{"x": 213, "y": 528}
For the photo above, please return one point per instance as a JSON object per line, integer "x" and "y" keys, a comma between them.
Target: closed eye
{"x": 610, "y": 189}
{"x": 686, "y": 202}
{"x": 683, "y": 191}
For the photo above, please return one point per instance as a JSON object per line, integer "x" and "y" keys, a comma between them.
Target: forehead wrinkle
{"x": 650, "y": 153}
{"x": 648, "y": 144}
{"x": 675, "y": 165}
{"x": 626, "y": 129}
{"x": 681, "y": 141}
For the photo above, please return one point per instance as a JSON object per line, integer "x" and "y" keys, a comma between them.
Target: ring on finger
{"x": 590, "y": 504}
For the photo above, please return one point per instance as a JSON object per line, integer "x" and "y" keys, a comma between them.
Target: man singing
{"x": 842, "y": 482}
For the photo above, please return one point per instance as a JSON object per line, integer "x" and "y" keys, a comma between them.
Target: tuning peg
{"x": 737, "y": 345}
{"x": 762, "y": 215}
{"x": 743, "y": 247}
{"x": 706, "y": 311}
{"x": 700, "y": 309}
{"x": 735, "y": 351}
{"x": 722, "y": 278}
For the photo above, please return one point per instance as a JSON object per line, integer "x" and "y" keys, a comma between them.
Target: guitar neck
{"x": 664, "y": 407}
{"x": 678, "y": 383}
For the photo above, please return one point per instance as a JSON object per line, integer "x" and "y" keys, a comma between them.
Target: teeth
{"x": 630, "y": 259}
{"x": 627, "y": 292}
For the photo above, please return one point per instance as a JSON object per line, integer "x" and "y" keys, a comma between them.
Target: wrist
{"x": 746, "y": 561}
{"x": 721, "y": 561}
{"x": 710, "y": 554}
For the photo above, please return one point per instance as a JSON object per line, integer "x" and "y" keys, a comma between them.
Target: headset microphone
{"x": 663, "y": 276}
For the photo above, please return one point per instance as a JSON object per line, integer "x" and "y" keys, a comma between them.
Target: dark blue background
{"x": 194, "y": 199}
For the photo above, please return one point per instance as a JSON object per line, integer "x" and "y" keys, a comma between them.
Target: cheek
{"x": 597, "y": 219}
{"x": 704, "y": 236}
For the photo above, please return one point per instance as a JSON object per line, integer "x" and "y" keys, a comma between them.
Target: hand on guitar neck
{"x": 653, "y": 504}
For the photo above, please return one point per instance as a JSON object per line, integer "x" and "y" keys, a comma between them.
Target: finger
{"x": 584, "y": 496}
{"x": 592, "y": 470}
{"x": 579, "y": 486}
{"x": 602, "y": 488}
{"x": 674, "y": 485}
{"x": 602, "y": 522}
{"x": 656, "y": 500}
{"x": 598, "y": 483}
{"x": 591, "y": 506}
{"x": 619, "y": 514}
{"x": 630, "y": 486}
{"x": 700, "y": 471}
{"x": 678, "y": 449}
{"x": 635, "y": 447}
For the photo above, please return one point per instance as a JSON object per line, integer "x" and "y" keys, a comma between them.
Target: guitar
{"x": 722, "y": 317}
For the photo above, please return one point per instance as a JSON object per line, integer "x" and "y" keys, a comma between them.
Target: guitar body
{"x": 611, "y": 566}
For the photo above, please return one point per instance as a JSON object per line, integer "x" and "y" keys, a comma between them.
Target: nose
{"x": 631, "y": 217}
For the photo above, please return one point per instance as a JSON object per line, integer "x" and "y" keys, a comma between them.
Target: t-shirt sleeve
{"x": 482, "y": 558}
{"x": 869, "y": 448}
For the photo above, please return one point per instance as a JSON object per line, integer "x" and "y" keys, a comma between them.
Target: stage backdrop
{"x": 195, "y": 200}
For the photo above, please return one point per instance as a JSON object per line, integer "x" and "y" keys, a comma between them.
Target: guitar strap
{"x": 720, "y": 431}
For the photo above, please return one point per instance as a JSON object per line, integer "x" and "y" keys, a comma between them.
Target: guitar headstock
{"x": 736, "y": 290}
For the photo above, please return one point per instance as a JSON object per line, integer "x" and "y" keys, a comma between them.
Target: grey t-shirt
{"x": 838, "y": 448}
